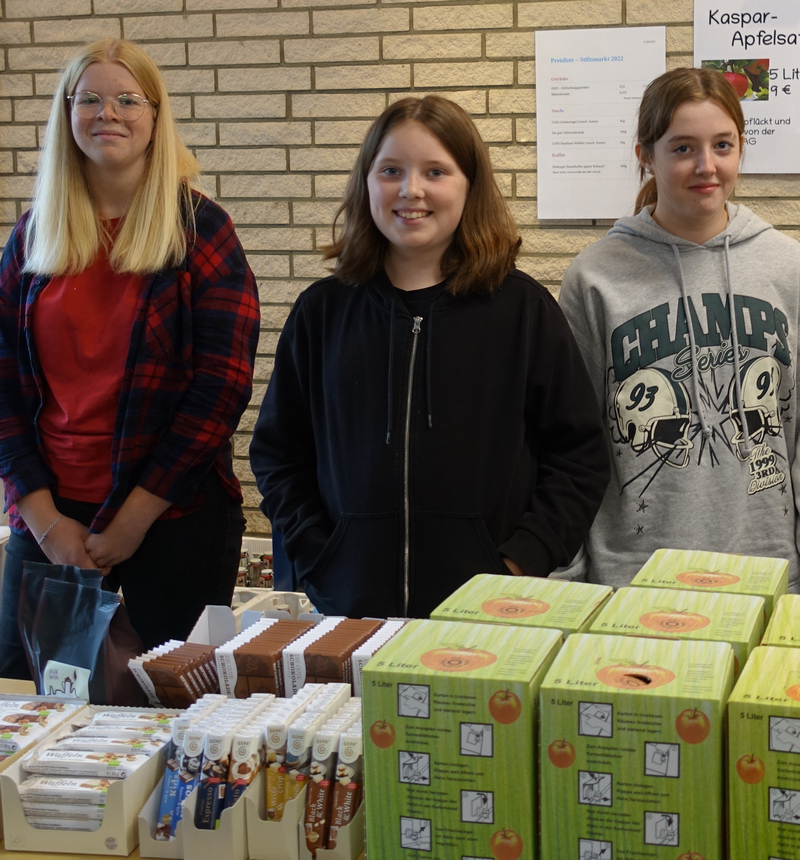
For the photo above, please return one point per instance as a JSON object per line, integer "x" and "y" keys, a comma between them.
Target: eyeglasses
{"x": 127, "y": 106}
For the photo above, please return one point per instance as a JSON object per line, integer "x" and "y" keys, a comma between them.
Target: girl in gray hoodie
{"x": 687, "y": 316}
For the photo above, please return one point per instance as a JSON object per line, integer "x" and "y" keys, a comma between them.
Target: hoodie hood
{"x": 743, "y": 224}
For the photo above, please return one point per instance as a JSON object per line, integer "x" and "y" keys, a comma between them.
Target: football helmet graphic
{"x": 761, "y": 381}
{"x": 654, "y": 412}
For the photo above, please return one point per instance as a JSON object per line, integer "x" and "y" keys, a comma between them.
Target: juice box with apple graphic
{"x": 662, "y": 613}
{"x": 449, "y": 749}
{"x": 632, "y": 758}
{"x": 784, "y": 626}
{"x": 716, "y": 571}
{"x": 526, "y": 601}
{"x": 764, "y": 757}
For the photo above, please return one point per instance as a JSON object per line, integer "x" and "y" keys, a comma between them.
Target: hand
{"x": 515, "y": 569}
{"x": 114, "y": 545}
{"x": 64, "y": 544}
{"x": 126, "y": 531}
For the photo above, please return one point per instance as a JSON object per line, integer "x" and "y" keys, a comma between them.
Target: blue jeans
{"x": 181, "y": 566}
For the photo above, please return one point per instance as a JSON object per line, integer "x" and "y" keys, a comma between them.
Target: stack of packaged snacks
{"x": 691, "y": 570}
{"x": 665, "y": 613}
{"x": 69, "y": 779}
{"x": 176, "y": 674}
{"x": 25, "y": 720}
{"x": 525, "y": 601}
{"x": 324, "y": 653}
{"x": 252, "y": 661}
{"x": 323, "y": 777}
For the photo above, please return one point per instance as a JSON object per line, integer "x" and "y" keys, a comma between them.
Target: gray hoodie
{"x": 701, "y": 416}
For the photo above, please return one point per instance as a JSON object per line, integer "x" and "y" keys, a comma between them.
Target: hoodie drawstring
{"x": 693, "y": 347}
{"x": 428, "y": 362}
{"x": 747, "y": 447}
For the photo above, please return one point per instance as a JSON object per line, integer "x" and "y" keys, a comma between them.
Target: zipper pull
{"x": 415, "y": 329}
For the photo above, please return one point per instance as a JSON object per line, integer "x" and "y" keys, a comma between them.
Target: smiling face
{"x": 695, "y": 165}
{"x": 417, "y": 194}
{"x": 107, "y": 141}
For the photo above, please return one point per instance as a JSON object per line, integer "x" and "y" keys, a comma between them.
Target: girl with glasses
{"x": 128, "y": 326}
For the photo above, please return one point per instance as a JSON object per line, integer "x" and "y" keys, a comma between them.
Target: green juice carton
{"x": 450, "y": 748}
{"x": 526, "y": 601}
{"x": 660, "y": 613}
{"x": 764, "y": 758}
{"x": 716, "y": 571}
{"x": 784, "y": 626}
{"x": 632, "y": 757}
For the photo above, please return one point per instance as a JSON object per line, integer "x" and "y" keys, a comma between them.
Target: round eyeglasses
{"x": 128, "y": 106}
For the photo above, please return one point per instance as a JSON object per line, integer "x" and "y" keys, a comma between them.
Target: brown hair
{"x": 659, "y": 103}
{"x": 485, "y": 244}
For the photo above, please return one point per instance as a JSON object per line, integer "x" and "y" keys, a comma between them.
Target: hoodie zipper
{"x": 415, "y": 330}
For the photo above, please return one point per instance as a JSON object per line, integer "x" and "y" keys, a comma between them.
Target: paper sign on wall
{"x": 588, "y": 87}
{"x": 757, "y": 46}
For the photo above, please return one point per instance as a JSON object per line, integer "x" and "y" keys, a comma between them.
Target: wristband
{"x": 49, "y": 529}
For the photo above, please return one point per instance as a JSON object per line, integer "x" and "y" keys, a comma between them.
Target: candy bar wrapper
{"x": 276, "y": 734}
{"x": 24, "y": 721}
{"x": 64, "y": 824}
{"x": 76, "y": 811}
{"x": 247, "y": 759}
{"x": 299, "y": 747}
{"x": 213, "y": 780}
{"x": 64, "y": 789}
{"x": 320, "y": 789}
{"x": 294, "y": 658}
{"x": 104, "y": 744}
{"x": 347, "y": 791}
{"x": 189, "y": 770}
{"x": 138, "y": 719}
{"x": 81, "y": 763}
{"x": 165, "y": 827}
{"x": 123, "y": 733}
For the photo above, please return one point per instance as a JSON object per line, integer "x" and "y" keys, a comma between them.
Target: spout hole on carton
{"x": 636, "y": 680}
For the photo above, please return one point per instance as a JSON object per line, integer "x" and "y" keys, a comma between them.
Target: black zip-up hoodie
{"x": 389, "y": 497}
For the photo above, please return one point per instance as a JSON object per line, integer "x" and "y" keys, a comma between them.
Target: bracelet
{"x": 49, "y": 529}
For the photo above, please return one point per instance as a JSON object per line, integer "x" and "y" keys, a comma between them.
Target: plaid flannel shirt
{"x": 188, "y": 375}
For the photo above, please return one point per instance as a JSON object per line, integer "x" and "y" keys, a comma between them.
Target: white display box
{"x": 118, "y": 835}
{"x": 227, "y": 842}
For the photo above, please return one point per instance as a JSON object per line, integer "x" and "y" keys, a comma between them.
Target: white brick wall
{"x": 274, "y": 97}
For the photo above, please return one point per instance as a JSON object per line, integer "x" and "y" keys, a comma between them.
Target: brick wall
{"x": 274, "y": 97}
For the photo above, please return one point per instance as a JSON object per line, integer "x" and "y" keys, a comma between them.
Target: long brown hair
{"x": 486, "y": 242}
{"x": 659, "y": 103}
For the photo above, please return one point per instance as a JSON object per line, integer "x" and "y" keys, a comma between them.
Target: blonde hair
{"x": 660, "y": 101}
{"x": 64, "y": 231}
{"x": 486, "y": 242}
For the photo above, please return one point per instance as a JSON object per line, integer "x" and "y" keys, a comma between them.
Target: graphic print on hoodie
{"x": 693, "y": 349}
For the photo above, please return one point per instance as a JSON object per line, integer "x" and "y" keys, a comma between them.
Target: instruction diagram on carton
{"x": 415, "y": 768}
{"x": 784, "y": 805}
{"x": 414, "y": 700}
{"x": 591, "y": 849}
{"x": 784, "y": 735}
{"x": 661, "y": 828}
{"x": 594, "y": 789}
{"x": 596, "y": 719}
{"x": 415, "y": 833}
{"x": 662, "y": 760}
{"x": 477, "y": 807}
{"x": 477, "y": 739}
